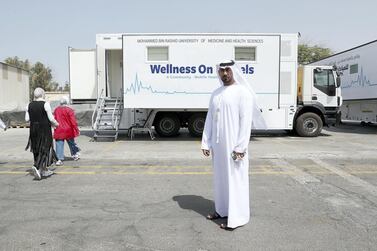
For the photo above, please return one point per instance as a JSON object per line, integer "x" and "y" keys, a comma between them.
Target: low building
{"x": 54, "y": 97}
{"x": 14, "y": 88}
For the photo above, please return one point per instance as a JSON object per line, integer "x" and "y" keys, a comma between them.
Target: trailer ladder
{"x": 106, "y": 117}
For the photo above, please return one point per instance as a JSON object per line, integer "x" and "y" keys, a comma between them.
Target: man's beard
{"x": 227, "y": 80}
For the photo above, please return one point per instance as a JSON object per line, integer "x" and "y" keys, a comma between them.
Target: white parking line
{"x": 349, "y": 177}
{"x": 295, "y": 172}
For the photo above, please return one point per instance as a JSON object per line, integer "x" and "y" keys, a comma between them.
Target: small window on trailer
{"x": 245, "y": 53}
{"x": 158, "y": 53}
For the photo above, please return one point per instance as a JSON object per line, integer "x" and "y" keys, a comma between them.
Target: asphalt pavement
{"x": 306, "y": 194}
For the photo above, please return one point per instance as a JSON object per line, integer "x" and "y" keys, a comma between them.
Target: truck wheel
{"x": 168, "y": 125}
{"x": 309, "y": 125}
{"x": 196, "y": 124}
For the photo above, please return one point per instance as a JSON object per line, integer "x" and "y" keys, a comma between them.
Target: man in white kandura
{"x": 231, "y": 113}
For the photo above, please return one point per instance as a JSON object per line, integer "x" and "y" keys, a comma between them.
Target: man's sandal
{"x": 214, "y": 216}
{"x": 225, "y": 227}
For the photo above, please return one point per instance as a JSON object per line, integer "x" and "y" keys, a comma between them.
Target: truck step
{"x": 105, "y": 128}
{"x": 109, "y": 108}
{"x": 107, "y": 117}
{"x": 112, "y": 102}
{"x": 105, "y": 121}
{"x": 104, "y": 136}
{"x": 104, "y": 131}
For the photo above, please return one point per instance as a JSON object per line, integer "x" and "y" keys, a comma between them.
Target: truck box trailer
{"x": 166, "y": 80}
{"x": 359, "y": 82}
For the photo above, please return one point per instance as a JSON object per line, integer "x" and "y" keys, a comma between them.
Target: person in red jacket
{"x": 67, "y": 130}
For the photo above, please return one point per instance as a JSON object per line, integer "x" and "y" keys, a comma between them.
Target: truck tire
{"x": 167, "y": 125}
{"x": 196, "y": 124}
{"x": 309, "y": 125}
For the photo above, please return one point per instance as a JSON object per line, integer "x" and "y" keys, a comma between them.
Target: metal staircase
{"x": 106, "y": 117}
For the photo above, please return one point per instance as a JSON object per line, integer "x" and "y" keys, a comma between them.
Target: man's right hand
{"x": 206, "y": 152}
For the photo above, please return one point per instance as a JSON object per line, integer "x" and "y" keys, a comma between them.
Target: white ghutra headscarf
{"x": 258, "y": 120}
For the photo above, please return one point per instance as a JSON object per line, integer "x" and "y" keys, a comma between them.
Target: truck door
{"x": 82, "y": 75}
{"x": 324, "y": 88}
{"x": 114, "y": 70}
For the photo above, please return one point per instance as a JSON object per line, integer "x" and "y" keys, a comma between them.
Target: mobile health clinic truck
{"x": 165, "y": 81}
{"x": 359, "y": 82}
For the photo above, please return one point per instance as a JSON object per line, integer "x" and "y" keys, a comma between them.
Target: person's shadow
{"x": 198, "y": 204}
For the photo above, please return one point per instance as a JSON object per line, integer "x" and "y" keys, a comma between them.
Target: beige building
{"x": 54, "y": 98}
{"x": 14, "y": 88}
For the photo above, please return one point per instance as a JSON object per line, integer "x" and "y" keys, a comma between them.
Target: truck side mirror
{"x": 338, "y": 81}
{"x": 318, "y": 70}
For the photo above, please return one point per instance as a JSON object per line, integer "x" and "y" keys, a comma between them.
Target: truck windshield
{"x": 324, "y": 81}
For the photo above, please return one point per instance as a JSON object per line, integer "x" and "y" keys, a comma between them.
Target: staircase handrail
{"x": 96, "y": 109}
{"x": 115, "y": 123}
{"x": 112, "y": 115}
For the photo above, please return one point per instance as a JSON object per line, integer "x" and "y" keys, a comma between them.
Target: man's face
{"x": 226, "y": 75}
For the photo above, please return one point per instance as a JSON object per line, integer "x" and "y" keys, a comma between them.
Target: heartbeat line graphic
{"x": 361, "y": 81}
{"x": 138, "y": 87}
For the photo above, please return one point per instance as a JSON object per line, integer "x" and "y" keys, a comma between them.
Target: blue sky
{"x": 42, "y": 30}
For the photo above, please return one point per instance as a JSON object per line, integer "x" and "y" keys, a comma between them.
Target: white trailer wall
{"x": 82, "y": 74}
{"x": 273, "y": 76}
{"x": 147, "y": 87}
{"x": 14, "y": 88}
{"x": 358, "y": 82}
{"x": 358, "y": 65}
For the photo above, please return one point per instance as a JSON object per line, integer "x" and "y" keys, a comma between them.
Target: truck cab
{"x": 318, "y": 99}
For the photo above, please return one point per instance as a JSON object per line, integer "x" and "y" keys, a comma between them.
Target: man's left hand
{"x": 239, "y": 155}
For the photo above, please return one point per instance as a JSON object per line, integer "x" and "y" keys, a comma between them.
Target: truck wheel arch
{"x": 318, "y": 109}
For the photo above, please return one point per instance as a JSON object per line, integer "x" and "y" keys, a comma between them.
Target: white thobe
{"x": 227, "y": 129}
